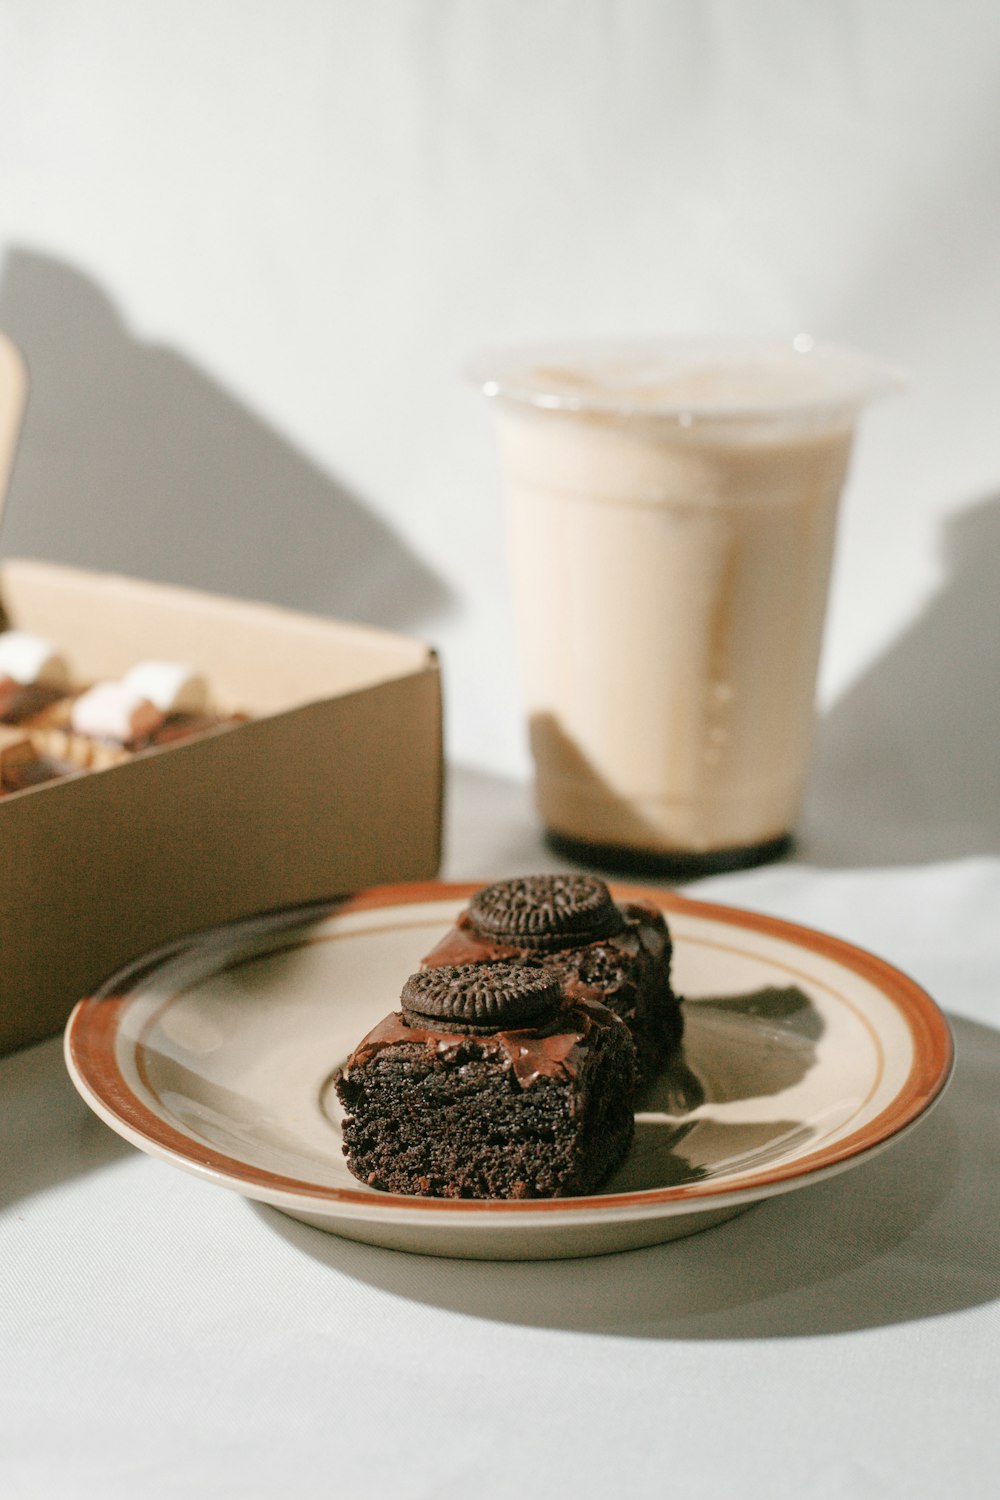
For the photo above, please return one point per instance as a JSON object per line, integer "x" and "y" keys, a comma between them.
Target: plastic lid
{"x": 701, "y": 378}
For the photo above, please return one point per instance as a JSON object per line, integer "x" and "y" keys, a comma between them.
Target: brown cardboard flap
{"x": 257, "y": 657}
{"x": 13, "y": 398}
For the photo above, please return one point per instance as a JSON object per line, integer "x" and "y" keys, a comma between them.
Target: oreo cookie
{"x": 546, "y": 912}
{"x": 480, "y": 998}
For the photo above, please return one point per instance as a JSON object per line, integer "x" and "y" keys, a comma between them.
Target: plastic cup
{"x": 671, "y": 511}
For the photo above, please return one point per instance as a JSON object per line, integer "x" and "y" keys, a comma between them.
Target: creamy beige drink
{"x": 671, "y": 515}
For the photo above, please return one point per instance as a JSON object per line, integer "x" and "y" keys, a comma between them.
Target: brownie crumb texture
{"x": 452, "y": 1115}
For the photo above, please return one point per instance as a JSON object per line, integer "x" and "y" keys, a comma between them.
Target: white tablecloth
{"x": 162, "y": 1337}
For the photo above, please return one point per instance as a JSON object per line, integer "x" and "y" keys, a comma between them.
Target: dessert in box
{"x": 64, "y": 729}
{"x": 487, "y": 1084}
{"x": 318, "y": 772}
{"x": 33, "y": 675}
{"x": 599, "y": 950}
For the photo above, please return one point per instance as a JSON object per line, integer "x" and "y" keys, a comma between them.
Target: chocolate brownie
{"x": 20, "y": 700}
{"x": 598, "y": 949}
{"x": 487, "y": 1084}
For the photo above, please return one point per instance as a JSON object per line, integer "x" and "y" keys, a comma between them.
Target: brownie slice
{"x": 599, "y": 950}
{"x": 486, "y": 1084}
{"x": 19, "y": 701}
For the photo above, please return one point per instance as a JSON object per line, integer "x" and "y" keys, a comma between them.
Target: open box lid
{"x": 13, "y": 399}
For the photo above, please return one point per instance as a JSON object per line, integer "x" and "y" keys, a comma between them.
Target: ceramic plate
{"x": 802, "y": 1057}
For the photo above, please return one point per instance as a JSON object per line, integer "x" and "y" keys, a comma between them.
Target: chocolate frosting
{"x": 464, "y": 944}
{"x": 550, "y": 1051}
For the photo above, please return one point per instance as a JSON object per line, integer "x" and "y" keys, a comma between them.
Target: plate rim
{"x": 92, "y": 1029}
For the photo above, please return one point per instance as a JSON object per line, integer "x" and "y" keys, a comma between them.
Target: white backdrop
{"x": 247, "y": 247}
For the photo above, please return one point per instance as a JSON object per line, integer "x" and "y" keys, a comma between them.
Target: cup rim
{"x": 807, "y": 378}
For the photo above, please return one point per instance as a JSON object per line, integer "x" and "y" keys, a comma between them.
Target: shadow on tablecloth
{"x": 914, "y": 1233}
{"x": 906, "y": 760}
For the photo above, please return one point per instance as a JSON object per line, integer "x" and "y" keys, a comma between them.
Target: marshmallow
{"x": 172, "y": 686}
{"x": 77, "y": 752}
{"x": 31, "y": 659}
{"x": 112, "y": 711}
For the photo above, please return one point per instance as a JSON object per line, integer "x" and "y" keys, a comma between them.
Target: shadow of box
{"x": 333, "y": 783}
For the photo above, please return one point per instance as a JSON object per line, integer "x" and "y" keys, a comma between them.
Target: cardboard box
{"x": 334, "y": 784}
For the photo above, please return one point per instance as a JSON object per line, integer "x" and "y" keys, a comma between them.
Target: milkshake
{"x": 671, "y": 513}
